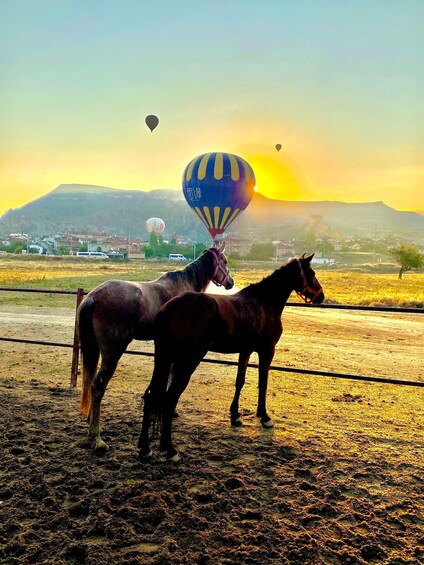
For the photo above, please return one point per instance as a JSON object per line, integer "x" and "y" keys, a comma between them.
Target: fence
{"x": 76, "y": 348}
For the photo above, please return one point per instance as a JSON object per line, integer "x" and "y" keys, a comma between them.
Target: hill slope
{"x": 124, "y": 212}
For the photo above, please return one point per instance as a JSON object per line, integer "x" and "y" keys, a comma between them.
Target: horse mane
{"x": 198, "y": 273}
{"x": 270, "y": 284}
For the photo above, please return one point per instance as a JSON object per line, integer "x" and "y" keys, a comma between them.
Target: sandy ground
{"x": 339, "y": 480}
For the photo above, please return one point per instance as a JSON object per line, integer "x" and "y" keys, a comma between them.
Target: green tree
{"x": 63, "y": 250}
{"x": 408, "y": 257}
{"x": 16, "y": 247}
{"x": 153, "y": 239}
{"x": 261, "y": 252}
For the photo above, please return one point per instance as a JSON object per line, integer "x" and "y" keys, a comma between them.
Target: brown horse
{"x": 116, "y": 312}
{"x": 190, "y": 325}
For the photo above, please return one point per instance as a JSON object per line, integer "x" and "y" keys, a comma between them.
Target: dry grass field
{"x": 372, "y": 289}
{"x": 338, "y": 481}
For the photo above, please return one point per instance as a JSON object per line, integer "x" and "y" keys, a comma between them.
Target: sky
{"x": 339, "y": 83}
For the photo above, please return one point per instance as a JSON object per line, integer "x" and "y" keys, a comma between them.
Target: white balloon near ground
{"x": 156, "y": 225}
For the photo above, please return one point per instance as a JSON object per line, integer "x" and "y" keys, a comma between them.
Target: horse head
{"x": 309, "y": 288}
{"x": 221, "y": 275}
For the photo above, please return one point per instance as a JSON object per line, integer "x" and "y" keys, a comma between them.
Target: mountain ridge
{"x": 79, "y": 207}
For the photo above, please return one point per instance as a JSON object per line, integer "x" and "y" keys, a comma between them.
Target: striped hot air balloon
{"x": 218, "y": 186}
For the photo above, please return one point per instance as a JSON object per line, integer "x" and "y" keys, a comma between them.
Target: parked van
{"x": 177, "y": 257}
{"x": 92, "y": 254}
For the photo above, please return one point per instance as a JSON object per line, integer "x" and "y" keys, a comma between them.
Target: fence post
{"x": 75, "y": 346}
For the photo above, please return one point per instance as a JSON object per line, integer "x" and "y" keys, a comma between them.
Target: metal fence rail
{"x": 76, "y": 348}
{"x": 399, "y": 310}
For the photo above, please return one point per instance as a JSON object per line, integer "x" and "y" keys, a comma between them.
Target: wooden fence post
{"x": 75, "y": 346}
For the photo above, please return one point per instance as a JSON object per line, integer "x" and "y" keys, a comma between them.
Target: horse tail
{"x": 90, "y": 352}
{"x": 155, "y": 394}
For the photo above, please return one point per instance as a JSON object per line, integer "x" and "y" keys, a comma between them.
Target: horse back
{"x": 125, "y": 309}
{"x": 191, "y": 318}
{"x": 245, "y": 323}
{"x": 199, "y": 322}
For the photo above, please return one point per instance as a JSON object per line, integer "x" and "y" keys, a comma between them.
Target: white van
{"x": 177, "y": 257}
{"x": 92, "y": 254}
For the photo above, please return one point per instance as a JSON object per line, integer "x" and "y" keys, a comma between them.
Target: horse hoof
{"x": 174, "y": 457}
{"x": 237, "y": 422}
{"x": 145, "y": 456}
{"x": 100, "y": 446}
{"x": 267, "y": 424}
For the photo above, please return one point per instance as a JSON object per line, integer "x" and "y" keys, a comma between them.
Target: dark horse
{"x": 116, "y": 312}
{"x": 190, "y": 325}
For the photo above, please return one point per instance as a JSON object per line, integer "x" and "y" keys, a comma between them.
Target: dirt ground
{"x": 338, "y": 481}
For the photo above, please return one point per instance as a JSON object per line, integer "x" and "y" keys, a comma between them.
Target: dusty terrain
{"x": 339, "y": 480}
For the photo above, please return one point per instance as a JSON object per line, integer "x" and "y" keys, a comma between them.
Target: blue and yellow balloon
{"x": 218, "y": 186}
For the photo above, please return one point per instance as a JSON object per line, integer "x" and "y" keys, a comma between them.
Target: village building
{"x": 236, "y": 244}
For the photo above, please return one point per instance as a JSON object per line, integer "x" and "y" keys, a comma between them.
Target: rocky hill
{"x": 124, "y": 212}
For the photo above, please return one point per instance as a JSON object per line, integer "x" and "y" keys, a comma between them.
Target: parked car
{"x": 177, "y": 257}
{"x": 92, "y": 254}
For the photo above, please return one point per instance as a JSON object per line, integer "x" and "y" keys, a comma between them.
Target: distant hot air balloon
{"x": 151, "y": 121}
{"x": 278, "y": 146}
{"x": 156, "y": 225}
{"x": 218, "y": 186}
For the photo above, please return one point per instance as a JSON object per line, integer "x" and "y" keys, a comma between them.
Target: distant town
{"x": 328, "y": 251}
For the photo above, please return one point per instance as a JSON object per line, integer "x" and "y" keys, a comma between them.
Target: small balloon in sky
{"x": 278, "y": 146}
{"x": 218, "y": 187}
{"x": 152, "y": 121}
{"x": 155, "y": 225}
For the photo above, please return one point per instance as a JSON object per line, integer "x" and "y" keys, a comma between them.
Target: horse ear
{"x": 308, "y": 259}
{"x": 221, "y": 248}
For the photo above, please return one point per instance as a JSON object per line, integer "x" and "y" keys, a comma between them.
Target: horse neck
{"x": 198, "y": 274}
{"x": 277, "y": 287}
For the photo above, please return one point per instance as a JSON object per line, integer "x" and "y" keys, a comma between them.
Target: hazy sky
{"x": 339, "y": 83}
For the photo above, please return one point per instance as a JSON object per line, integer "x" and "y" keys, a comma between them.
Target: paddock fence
{"x": 80, "y": 293}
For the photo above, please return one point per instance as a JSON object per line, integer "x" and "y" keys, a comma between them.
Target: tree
{"x": 16, "y": 247}
{"x": 261, "y": 252}
{"x": 63, "y": 250}
{"x": 153, "y": 239}
{"x": 408, "y": 257}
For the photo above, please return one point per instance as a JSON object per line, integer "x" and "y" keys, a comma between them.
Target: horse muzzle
{"x": 311, "y": 296}
{"x": 319, "y": 297}
{"x": 229, "y": 282}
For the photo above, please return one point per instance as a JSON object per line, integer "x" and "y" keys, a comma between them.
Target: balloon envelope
{"x": 218, "y": 186}
{"x": 278, "y": 146}
{"x": 156, "y": 225}
{"x": 152, "y": 121}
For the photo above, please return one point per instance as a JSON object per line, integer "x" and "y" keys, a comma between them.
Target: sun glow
{"x": 277, "y": 176}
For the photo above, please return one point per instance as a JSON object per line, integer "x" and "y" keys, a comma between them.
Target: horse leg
{"x": 152, "y": 399}
{"x": 181, "y": 375}
{"x": 265, "y": 359}
{"x": 240, "y": 380}
{"x": 143, "y": 441}
{"x": 98, "y": 388}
